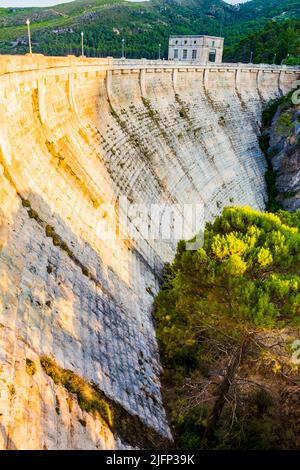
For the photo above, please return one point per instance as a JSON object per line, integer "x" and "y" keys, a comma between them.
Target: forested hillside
{"x": 144, "y": 25}
{"x": 277, "y": 42}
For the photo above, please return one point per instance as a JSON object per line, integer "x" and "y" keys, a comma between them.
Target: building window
{"x": 175, "y": 53}
{"x": 176, "y": 42}
{"x": 185, "y": 42}
{"x": 212, "y": 55}
{"x": 195, "y": 42}
{"x": 194, "y": 54}
{"x": 213, "y": 44}
{"x": 184, "y": 53}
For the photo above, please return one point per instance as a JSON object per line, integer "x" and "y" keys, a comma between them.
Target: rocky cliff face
{"x": 75, "y": 136}
{"x": 284, "y": 154}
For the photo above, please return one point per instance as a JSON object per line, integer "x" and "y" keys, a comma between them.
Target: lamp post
{"x": 251, "y": 57}
{"x": 287, "y": 56}
{"x": 29, "y": 35}
{"x": 159, "y": 48}
{"x": 82, "y": 44}
{"x": 123, "y": 48}
{"x": 274, "y": 58}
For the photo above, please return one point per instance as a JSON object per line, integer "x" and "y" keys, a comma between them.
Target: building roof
{"x": 194, "y": 36}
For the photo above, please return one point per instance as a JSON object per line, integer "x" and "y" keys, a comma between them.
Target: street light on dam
{"x": 29, "y": 35}
{"x": 287, "y": 56}
{"x": 82, "y": 44}
{"x": 123, "y": 48}
{"x": 159, "y": 48}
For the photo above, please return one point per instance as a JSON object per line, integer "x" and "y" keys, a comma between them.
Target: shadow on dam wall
{"x": 53, "y": 305}
{"x": 77, "y": 135}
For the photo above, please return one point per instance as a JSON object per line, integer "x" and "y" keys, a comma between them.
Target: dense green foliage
{"x": 247, "y": 270}
{"x": 278, "y": 42}
{"x": 56, "y": 31}
{"x": 214, "y": 304}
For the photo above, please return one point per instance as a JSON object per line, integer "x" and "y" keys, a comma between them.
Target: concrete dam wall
{"x": 77, "y": 135}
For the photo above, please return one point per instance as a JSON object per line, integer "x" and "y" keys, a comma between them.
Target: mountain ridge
{"x": 144, "y": 25}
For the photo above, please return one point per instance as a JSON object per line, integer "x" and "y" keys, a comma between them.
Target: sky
{"x": 46, "y": 3}
{"x": 31, "y": 3}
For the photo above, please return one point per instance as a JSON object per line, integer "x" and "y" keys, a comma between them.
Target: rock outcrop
{"x": 75, "y": 137}
{"x": 284, "y": 154}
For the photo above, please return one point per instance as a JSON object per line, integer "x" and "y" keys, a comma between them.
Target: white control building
{"x": 202, "y": 49}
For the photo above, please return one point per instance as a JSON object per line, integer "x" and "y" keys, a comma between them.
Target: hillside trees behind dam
{"x": 267, "y": 30}
{"x": 277, "y": 42}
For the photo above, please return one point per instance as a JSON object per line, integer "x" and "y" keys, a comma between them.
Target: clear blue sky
{"x": 44, "y": 3}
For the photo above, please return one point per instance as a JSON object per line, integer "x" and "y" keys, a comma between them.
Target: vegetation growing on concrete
{"x": 153, "y": 114}
{"x": 226, "y": 317}
{"x": 12, "y": 390}
{"x": 31, "y": 212}
{"x": 184, "y": 109}
{"x": 57, "y": 240}
{"x": 61, "y": 162}
{"x": 30, "y": 367}
{"x": 129, "y": 428}
{"x": 155, "y": 117}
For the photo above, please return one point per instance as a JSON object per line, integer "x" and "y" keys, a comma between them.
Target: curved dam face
{"x": 78, "y": 276}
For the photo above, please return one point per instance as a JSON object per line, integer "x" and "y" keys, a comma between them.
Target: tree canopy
{"x": 216, "y": 310}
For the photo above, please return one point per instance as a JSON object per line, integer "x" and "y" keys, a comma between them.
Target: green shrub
{"x": 272, "y": 107}
{"x": 244, "y": 280}
{"x": 289, "y": 194}
{"x": 270, "y": 177}
{"x": 285, "y": 124}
